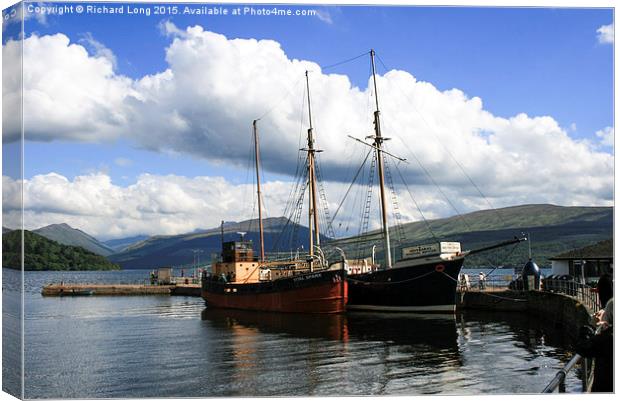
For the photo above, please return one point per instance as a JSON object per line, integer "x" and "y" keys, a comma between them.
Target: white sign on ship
{"x": 432, "y": 249}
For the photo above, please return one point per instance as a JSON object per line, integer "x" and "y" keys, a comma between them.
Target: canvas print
{"x": 252, "y": 199}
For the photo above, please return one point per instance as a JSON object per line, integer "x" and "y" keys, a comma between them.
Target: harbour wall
{"x": 559, "y": 309}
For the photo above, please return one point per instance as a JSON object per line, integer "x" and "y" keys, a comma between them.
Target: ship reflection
{"x": 437, "y": 331}
{"x": 391, "y": 348}
{"x": 329, "y": 327}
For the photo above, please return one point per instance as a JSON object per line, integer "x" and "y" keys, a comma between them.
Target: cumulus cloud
{"x": 68, "y": 93}
{"x": 203, "y": 104}
{"x": 606, "y": 136}
{"x": 98, "y": 49}
{"x": 94, "y": 204}
{"x": 605, "y": 34}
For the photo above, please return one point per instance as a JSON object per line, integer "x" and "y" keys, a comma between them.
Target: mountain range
{"x": 67, "y": 235}
{"x": 552, "y": 230}
{"x": 120, "y": 244}
{"x": 200, "y": 245}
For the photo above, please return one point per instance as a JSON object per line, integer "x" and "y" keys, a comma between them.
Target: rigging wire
{"x": 327, "y": 229}
{"x": 430, "y": 177}
{"x": 291, "y": 203}
{"x": 288, "y": 94}
{"x": 461, "y": 217}
{"x": 247, "y": 172}
{"x": 394, "y": 198}
{"x": 367, "y": 205}
{"x": 359, "y": 170}
{"x": 505, "y": 257}
{"x": 428, "y": 226}
{"x": 502, "y": 221}
{"x": 344, "y": 61}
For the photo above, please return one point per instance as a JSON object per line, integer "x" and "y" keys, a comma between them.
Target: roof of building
{"x": 600, "y": 250}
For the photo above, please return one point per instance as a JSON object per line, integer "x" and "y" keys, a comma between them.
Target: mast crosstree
{"x": 377, "y": 145}
{"x": 313, "y": 218}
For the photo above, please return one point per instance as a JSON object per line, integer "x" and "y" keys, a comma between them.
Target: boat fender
{"x": 440, "y": 268}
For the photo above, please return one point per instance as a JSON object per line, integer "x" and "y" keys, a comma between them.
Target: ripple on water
{"x": 171, "y": 346}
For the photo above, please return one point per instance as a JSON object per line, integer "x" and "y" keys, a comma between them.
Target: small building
{"x": 164, "y": 275}
{"x": 586, "y": 264}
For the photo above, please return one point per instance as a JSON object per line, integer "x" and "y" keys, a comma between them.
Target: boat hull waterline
{"x": 428, "y": 287}
{"x": 317, "y": 292}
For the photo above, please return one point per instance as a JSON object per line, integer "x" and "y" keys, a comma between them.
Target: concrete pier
{"x": 67, "y": 289}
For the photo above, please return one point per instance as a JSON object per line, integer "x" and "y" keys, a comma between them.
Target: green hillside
{"x": 179, "y": 249}
{"x": 67, "y": 235}
{"x": 44, "y": 254}
{"x": 553, "y": 230}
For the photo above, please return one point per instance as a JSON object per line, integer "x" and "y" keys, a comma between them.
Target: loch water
{"x": 169, "y": 346}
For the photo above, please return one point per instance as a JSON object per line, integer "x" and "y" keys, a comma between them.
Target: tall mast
{"x": 260, "y": 209}
{"x": 311, "y": 158}
{"x": 377, "y": 145}
{"x": 313, "y": 220}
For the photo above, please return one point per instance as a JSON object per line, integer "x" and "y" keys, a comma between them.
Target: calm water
{"x": 88, "y": 347}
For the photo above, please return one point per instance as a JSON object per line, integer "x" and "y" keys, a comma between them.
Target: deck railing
{"x": 565, "y": 285}
{"x": 582, "y": 292}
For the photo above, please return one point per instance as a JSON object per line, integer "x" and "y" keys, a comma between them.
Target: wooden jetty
{"x": 69, "y": 289}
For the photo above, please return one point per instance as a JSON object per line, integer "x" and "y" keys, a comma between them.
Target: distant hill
{"x": 44, "y": 254}
{"x": 67, "y": 235}
{"x": 120, "y": 244}
{"x": 553, "y": 230}
{"x": 6, "y": 230}
{"x": 179, "y": 249}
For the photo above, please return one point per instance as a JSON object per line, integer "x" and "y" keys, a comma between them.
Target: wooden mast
{"x": 313, "y": 221}
{"x": 260, "y": 209}
{"x": 378, "y": 142}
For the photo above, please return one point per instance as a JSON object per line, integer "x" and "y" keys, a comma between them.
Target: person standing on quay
{"x": 481, "y": 279}
{"x": 600, "y": 344}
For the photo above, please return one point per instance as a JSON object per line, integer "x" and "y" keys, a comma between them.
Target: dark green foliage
{"x": 41, "y": 253}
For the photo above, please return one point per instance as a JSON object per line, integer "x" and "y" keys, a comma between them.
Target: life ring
{"x": 440, "y": 268}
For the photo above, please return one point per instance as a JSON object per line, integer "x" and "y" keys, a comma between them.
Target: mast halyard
{"x": 378, "y": 141}
{"x": 260, "y": 209}
{"x": 313, "y": 220}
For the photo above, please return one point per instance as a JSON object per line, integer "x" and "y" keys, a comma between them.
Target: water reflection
{"x": 375, "y": 353}
{"x": 172, "y": 347}
{"x": 535, "y": 335}
{"x": 330, "y": 327}
{"x": 437, "y": 331}
{"x": 12, "y": 309}
{"x": 524, "y": 351}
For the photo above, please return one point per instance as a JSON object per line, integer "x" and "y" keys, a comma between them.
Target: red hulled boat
{"x": 240, "y": 281}
{"x": 305, "y": 284}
